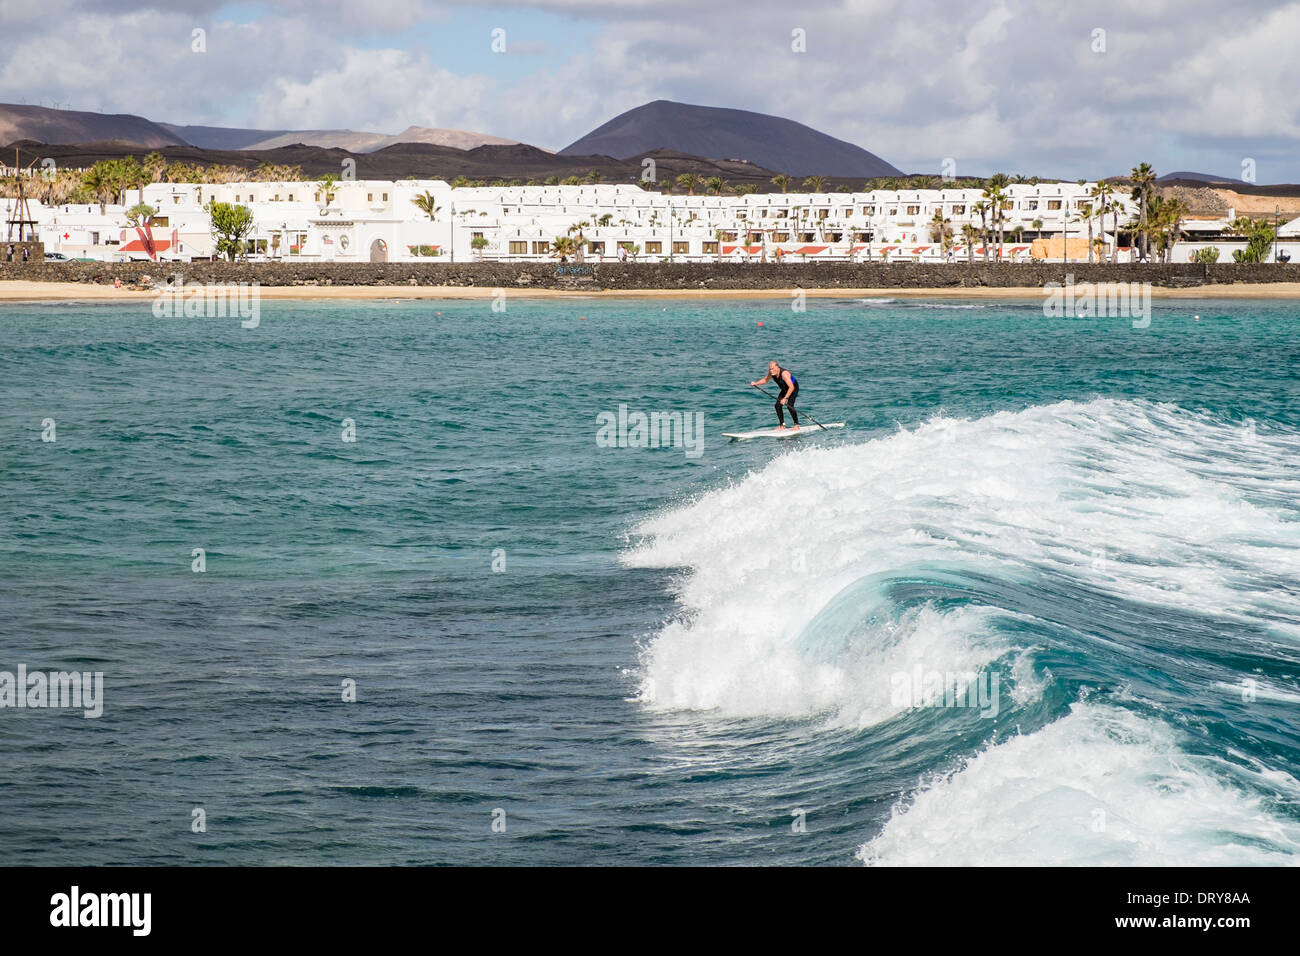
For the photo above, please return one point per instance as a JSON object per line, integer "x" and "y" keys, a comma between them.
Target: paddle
{"x": 805, "y": 414}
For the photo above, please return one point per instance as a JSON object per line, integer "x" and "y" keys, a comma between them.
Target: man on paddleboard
{"x": 789, "y": 392}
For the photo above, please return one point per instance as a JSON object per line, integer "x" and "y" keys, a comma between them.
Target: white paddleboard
{"x": 781, "y": 432}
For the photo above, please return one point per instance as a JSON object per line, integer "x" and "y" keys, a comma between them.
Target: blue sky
{"x": 1020, "y": 86}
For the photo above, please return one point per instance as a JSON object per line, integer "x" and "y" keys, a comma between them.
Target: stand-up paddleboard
{"x": 781, "y": 432}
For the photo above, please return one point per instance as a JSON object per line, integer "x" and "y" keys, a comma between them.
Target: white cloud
{"x": 1014, "y": 86}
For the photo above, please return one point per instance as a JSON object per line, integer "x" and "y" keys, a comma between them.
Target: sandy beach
{"x": 25, "y": 291}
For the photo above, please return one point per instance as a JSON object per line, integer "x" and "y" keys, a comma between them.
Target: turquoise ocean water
{"x": 664, "y": 655}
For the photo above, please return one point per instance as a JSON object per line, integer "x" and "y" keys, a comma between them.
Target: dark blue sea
{"x": 1039, "y": 603}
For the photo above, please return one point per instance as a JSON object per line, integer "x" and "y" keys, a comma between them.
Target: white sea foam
{"x": 1144, "y": 501}
{"x": 1102, "y": 786}
{"x": 804, "y": 592}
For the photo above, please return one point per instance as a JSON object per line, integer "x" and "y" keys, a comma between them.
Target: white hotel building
{"x": 376, "y": 221}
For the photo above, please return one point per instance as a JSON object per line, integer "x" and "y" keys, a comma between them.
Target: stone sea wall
{"x": 630, "y": 276}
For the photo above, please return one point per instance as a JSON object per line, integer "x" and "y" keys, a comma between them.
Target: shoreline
{"x": 19, "y": 290}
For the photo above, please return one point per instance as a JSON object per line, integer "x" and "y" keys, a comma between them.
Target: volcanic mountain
{"x": 768, "y": 141}
{"x": 64, "y": 127}
{"x": 45, "y": 125}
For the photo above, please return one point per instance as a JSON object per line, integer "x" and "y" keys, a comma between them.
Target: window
{"x": 893, "y": 210}
{"x": 176, "y": 200}
{"x": 475, "y": 235}
{"x": 317, "y": 199}
{"x": 780, "y": 237}
{"x": 958, "y": 210}
{"x": 596, "y": 248}
{"x": 710, "y": 248}
{"x": 541, "y": 248}
{"x": 94, "y": 238}
{"x": 160, "y": 221}
{"x": 755, "y": 237}
{"x": 290, "y": 197}
{"x": 1053, "y": 204}
{"x": 518, "y": 248}
{"x": 681, "y": 248}
{"x": 385, "y": 197}
{"x": 868, "y": 210}
{"x": 822, "y": 213}
{"x": 913, "y": 210}
{"x": 653, "y": 248}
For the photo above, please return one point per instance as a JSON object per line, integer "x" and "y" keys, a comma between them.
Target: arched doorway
{"x": 379, "y": 251}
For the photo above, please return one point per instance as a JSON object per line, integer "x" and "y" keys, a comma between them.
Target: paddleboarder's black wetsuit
{"x": 789, "y": 393}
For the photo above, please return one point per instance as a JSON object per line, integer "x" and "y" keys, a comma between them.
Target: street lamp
{"x": 1065, "y": 230}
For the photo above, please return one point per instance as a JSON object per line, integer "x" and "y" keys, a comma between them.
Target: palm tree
{"x": 562, "y": 247}
{"x": 782, "y": 182}
{"x": 327, "y": 184}
{"x": 688, "y": 181}
{"x": 715, "y": 185}
{"x": 981, "y": 209}
{"x": 580, "y": 242}
{"x": 131, "y": 175}
{"x": 427, "y": 204}
{"x": 1172, "y": 213}
{"x": 998, "y": 201}
{"x": 815, "y": 184}
{"x": 1116, "y": 207}
{"x": 1242, "y": 226}
{"x": 154, "y": 164}
{"x": 1086, "y": 211}
{"x": 1144, "y": 180}
{"x": 940, "y": 228}
{"x": 96, "y": 182}
{"x": 1102, "y": 196}
{"x": 969, "y": 234}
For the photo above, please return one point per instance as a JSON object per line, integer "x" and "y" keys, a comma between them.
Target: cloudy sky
{"x": 1021, "y": 86}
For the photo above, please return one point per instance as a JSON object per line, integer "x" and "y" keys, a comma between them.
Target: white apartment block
{"x": 377, "y": 221}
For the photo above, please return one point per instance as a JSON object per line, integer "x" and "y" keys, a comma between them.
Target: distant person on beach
{"x": 789, "y": 386}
